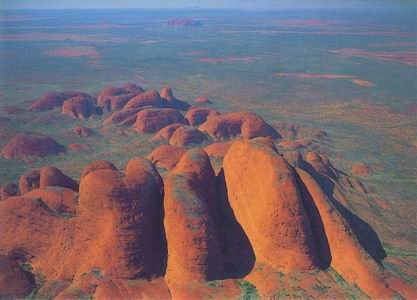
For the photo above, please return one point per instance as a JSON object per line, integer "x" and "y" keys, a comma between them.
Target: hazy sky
{"x": 243, "y": 4}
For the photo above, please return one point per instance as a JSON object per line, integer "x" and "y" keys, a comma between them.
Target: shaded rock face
{"x": 171, "y": 101}
{"x": 14, "y": 281}
{"x": 126, "y": 209}
{"x": 118, "y": 228}
{"x": 190, "y": 206}
{"x": 246, "y": 124}
{"x": 45, "y": 177}
{"x": 153, "y": 119}
{"x": 166, "y": 156}
{"x": 80, "y": 107}
{"x": 321, "y": 165}
{"x": 336, "y": 243}
{"x": 183, "y": 23}
{"x": 8, "y": 190}
{"x": 51, "y": 176}
{"x": 31, "y": 144}
{"x": 268, "y": 206}
{"x": 52, "y": 100}
{"x": 111, "y": 98}
{"x": 187, "y": 135}
{"x": 83, "y": 131}
{"x": 61, "y": 200}
{"x": 198, "y": 115}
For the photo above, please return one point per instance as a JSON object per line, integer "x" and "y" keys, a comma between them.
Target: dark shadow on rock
{"x": 238, "y": 254}
{"x": 367, "y": 237}
{"x": 319, "y": 235}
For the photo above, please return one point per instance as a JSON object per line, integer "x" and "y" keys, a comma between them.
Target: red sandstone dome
{"x": 198, "y": 115}
{"x": 52, "y": 100}
{"x": 166, "y": 156}
{"x": 45, "y": 177}
{"x": 31, "y": 144}
{"x": 171, "y": 101}
{"x": 165, "y": 133}
{"x": 153, "y": 119}
{"x": 97, "y": 165}
{"x": 148, "y": 98}
{"x": 186, "y": 136}
{"x": 246, "y": 124}
{"x": 112, "y": 98}
{"x": 80, "y": 107}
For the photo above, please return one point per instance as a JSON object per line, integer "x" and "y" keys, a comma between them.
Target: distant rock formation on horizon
{"x": 183, "y": 23}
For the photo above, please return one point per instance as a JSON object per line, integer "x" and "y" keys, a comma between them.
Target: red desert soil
{"x": 408, "y": 57}
{"x": 89, "y": 52}
{"x": 26, "y": 145}
{"x": 231, "y": 59}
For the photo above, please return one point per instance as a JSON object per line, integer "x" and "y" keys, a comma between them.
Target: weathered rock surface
{"x": 14, "y": 281}
{"x": 153, "y": 119}
{"x": 8, "y": 190}
{"x": 189, "y": 205}
{"x": 165, "y": 133}
{"x": 31, "y": 144}
{"x": 218, "y": 149}
{"x": 112, "y": 98}
{"x": 246, "y": 124}
{"x": 45, "y": 177}
{"x": 166, "y": 156}
{"x": 97, "y": 165}
{"x": 187, "y": 135}
{"x": 127, "y": 211}
{"x": 198, "y": 115}
{"x": 171, "y": 101}
{"x": 80, "y": 107}
{"x": 265, "y": 199}
{"x": 337, "y": 244}
{"x": 52, "y": 100}
{"x": 148, "y": 98}
{"x": 321, "y": 164}
{"x": 61, "y": 200}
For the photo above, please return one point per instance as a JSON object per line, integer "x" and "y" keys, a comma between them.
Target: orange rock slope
{"x": 193, "y": 233}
